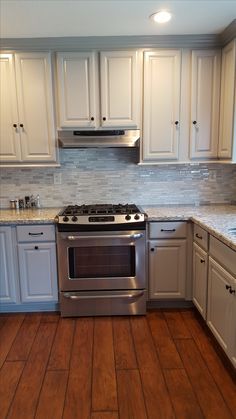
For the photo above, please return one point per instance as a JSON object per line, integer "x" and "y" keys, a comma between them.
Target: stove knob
{"x": 136, "y": 217}
{"x": 65, "y": 218}
{"x": 128, "y": 217}
{"x": 74, "y": 218}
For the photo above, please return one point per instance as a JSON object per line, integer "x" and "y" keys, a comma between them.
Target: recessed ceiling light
{"x": 162, "y": 16}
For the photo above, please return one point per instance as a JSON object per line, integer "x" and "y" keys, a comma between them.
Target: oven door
{"x": 101, "y": 260}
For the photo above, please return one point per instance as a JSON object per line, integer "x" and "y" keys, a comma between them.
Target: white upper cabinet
{"x": 227, "y": 138}
{"x": 86, "y": 103}
{"x": 77, "y": 89}
{"x": 10, "y": 149}
{"x": 205, "y": 96}
{"x": 119, "y": 88}
{"x": 161, "y": 106}
{"x": 27, "y": 118}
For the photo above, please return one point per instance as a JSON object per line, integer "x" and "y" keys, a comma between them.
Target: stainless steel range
{"x": 101, "y": 260}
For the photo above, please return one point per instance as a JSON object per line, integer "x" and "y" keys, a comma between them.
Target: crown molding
{"x": 105, "y": 42}
{"x": 229, "y": 33}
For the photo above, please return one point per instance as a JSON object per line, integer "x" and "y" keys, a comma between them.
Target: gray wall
{"x": 112, "y": 176}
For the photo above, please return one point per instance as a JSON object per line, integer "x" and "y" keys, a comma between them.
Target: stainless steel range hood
{"x": 98, "y": 138}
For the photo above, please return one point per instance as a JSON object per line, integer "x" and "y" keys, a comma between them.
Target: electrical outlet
{"x": 57, "y": 178}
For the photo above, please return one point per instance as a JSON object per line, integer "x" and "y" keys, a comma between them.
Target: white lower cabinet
{"x": 37, "y": 262}
{"x": 221, "y": 312}
{"x": 200, "y": 266}
{"x": 167, "y": 260}
{"x": 28, "y": 268}
{"x": 8, "y": 284}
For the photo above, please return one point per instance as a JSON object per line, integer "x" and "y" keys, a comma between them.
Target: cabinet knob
{"x": 176, "y": 123}
{"x": 15, "y": 125}
{"x": 202, "y": 261}
{"x": 232, "y": 291}
{"x": 92, "y": 118}
{"x": 104, "y": 118}
{"x": 22, "y": 125}
{"x": 199, "y": 237}
{"x": 152, "y": 249}
{"x": 194, "y": 122}
{"x": 228, "y": 287}
{"x": 36, "y": 247}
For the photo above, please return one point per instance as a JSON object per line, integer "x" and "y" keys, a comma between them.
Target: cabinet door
{"x": 77, "y": 89}
{"x": 221, "y": 305}
{"x": 120, "y": 89}
{"x": 200, "y": 269}
{"x": 8, "y": 293}
{"x": 161, "y": 106}
{"x": 227, "y": 101}
{"x": 38, "y": 274}
{"x": 35, "y": 105}
{"x": 205, "y": 104}
{"x": 9, "y": 135}
{"x": 167, "y": 269}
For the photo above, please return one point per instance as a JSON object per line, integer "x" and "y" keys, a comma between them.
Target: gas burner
{"x": 101, "y": 214}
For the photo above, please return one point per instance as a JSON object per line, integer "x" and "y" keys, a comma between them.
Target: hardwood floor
{"x": 163, "y": 365}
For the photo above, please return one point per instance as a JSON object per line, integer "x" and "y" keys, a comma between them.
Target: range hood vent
{"x": 98, "y": 138}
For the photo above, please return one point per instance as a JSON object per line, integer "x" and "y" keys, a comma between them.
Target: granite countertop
{"x": 217, "y": 220}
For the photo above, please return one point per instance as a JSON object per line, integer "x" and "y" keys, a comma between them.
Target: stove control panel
{"x": 101, "y": 219}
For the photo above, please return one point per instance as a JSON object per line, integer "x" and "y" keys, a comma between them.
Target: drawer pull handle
{"x": 35, "y": 234}
{"x": 168, "y": 230}
{"x": 199, "y": 237}
{"x": 202, "y": 261}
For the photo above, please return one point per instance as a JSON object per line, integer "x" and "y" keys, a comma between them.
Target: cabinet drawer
{"x": 35, "y": 233}
{"x": 223, "y": 254}
{"x": 200, "y": 236}
{"x": 168, "y": 229}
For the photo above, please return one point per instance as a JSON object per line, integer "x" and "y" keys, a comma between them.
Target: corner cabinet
{"x": 161, "y": 105}
{"x": 98, "y": 90}
{"x": 205, "y": 101}
{"x": 27, "y": 114}
{"x": 8, "y": 277}
{"x": 227, "y": 137}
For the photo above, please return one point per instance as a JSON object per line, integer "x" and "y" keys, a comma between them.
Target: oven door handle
{"x": 76, "y": 296}
{"x": 110, "y": 236}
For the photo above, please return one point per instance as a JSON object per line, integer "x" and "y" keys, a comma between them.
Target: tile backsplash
{"x": 112, "y": 176}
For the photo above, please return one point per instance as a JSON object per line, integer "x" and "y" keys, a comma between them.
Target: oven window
{"x": 101, "y": 261}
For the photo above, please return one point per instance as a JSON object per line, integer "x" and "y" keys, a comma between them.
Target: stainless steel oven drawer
{"x": 103, "y": 303}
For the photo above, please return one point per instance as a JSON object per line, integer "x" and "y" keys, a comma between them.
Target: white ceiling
{"x": 49, "y": 18}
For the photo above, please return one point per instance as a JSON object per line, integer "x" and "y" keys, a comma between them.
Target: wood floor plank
{"x": 8, "y": 333}
{"x": 208, "y": 395}
{"x": 3, "y": 320}
{"x": 215, "y": 365}
{"x": 125, "y": 357}
{"x": 105, "y": 415}
{"x": 130, "y": 395}
{"x": 9, "y": 376}
{"x": 61, "y": 349}
{"x": 104, "y": 391}
{"x": 78, "y": 395}
{"x": 158, "y": 403}
{"x": 165, "y": 346}
{"x": 27, "y": 393}
{"x": 177, "y": 327}
{"x": 24, "y": 339}
{"x": 51, "y": 401}
{"x": 48, "y": 317}
{"x": 183, "y": 398}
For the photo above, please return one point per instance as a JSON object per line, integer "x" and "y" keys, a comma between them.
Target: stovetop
{"x": 101, "y": 214}
{"x": 101, "y": 209}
